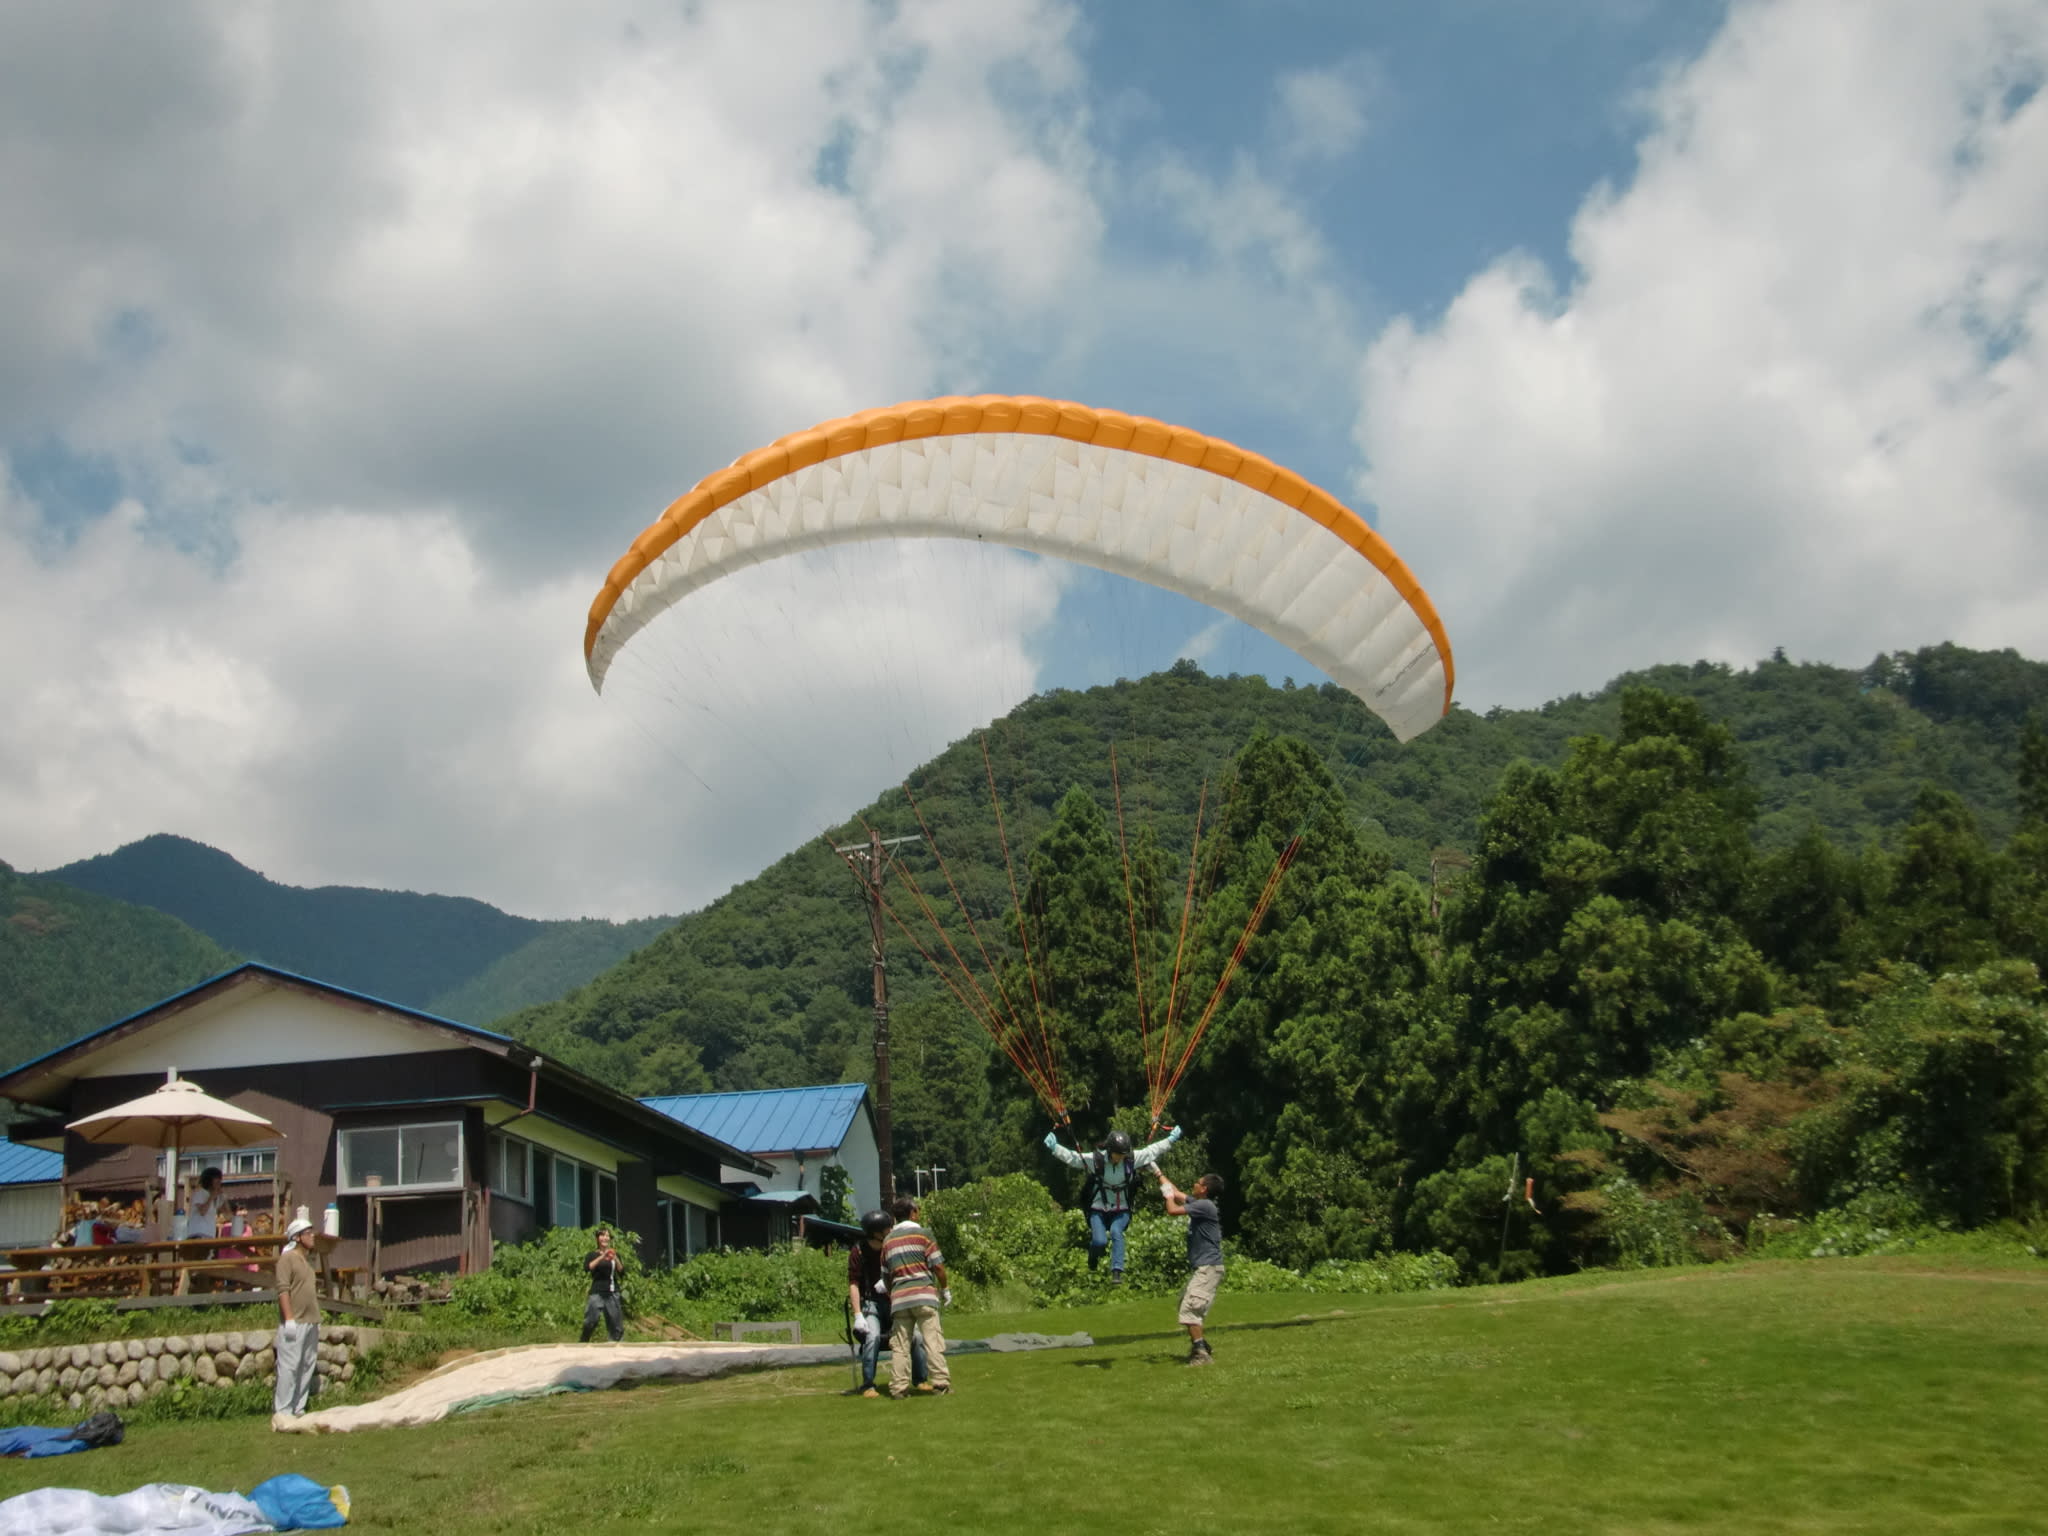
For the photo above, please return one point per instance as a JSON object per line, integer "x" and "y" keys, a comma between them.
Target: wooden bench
{"x": 737, "y": 1331}
{"x": 108, "y": 1277}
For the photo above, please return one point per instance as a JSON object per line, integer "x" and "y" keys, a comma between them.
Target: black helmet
{"x": 1119, "y": 1142}
{"x": 877, "y": 1223}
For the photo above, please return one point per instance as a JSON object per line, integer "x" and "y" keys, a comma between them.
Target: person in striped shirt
{"x": 916, "y": 1272}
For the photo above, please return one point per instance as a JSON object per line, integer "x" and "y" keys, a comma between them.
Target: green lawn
{"x": 1901, "y": 1395}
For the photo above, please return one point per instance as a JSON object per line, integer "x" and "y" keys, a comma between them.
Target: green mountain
{"x": 558, "y": 959}
{"x": 442, "y": 953}
{"x": 1681, "y": 913}
{"x": 769, "y": 985}
{"x": 71, "y": 961}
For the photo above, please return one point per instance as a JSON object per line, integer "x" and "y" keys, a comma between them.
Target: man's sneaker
{"x": 869, "y": 1392}
{"x": 925, "y": 1386}
{"x": 939, "y": 1391}
{"x": 1200, "y": 1355}
{"x": 1116, "y": 1277}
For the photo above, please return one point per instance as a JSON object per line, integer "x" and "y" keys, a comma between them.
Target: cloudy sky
{"x": 342, "y": 350}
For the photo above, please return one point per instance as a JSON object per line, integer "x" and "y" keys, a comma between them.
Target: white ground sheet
{"x": 533, "y": 1369}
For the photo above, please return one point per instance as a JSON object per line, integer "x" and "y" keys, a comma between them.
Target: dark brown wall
{"x": 512, "y": 1221}
{"x": 421, "y": 1232}
{"x": 308, "y": 1100}
{"x": 637, "y": 1210}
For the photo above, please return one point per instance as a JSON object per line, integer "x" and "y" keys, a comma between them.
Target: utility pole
{"x": 1445, "y": 865}
{"x": 867, "y": 865}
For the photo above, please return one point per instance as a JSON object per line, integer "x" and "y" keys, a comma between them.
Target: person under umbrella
{"x": 178, "y": 1112}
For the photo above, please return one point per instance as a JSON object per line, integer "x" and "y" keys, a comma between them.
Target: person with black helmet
{"x": 867, "y": 1298}
{"x": 1112, "y": 1181}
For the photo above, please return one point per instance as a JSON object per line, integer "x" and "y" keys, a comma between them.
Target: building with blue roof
{"x": 800, "y": 1132}
{"x": 31, "y": 1195}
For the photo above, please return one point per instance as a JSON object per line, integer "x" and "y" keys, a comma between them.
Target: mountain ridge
{"x": 453, "y": 955}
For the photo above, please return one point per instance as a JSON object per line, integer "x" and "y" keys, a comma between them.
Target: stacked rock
{"x": 406, "y": 1290}
{"x": 118, "y": 1373}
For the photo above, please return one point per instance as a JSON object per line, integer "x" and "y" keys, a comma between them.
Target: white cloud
{"x": 1203, "y": 642}
{"x": 1794, "y": 393}
{"x": 522, "y": 263}
{"x": 358, "y": 699}
{"x": 1322, "y": 114}
{"x": 419, "y": 313}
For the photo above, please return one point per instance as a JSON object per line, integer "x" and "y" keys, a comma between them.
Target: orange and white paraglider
{"x": 1161, "y": 504}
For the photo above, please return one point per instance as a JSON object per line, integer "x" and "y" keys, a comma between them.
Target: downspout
{"x": 532, "y": 1095}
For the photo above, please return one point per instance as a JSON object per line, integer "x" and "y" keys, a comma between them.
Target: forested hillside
{"x": 561, "y": 957}
{"x": 1707, "y": 945}
{"x": 72, "y": 961}
{"x": 448, "y": 954}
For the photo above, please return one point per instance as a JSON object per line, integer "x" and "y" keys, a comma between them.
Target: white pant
{"x": 298, "y": 1353}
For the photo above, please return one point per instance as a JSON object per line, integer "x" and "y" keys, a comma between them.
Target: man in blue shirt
{"x": 1205, "y": 1256}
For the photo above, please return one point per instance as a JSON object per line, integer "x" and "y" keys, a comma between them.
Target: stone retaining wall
{"x": 121, "y": 1372}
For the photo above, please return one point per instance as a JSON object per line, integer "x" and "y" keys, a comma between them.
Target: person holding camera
{"x": 607, "y": 1300}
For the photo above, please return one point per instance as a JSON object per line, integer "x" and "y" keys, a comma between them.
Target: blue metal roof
{"x": 29, "y": 1165}
{"x": 769, "y": 1120}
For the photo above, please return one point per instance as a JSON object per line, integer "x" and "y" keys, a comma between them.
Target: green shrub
{"x": 540, "y": 1287}
{"x": 807, "y": 1284}
{"x": 1009, "y": 1243}
{"x": 87, "y": 1321}
{"x": 1652, "y": 1233}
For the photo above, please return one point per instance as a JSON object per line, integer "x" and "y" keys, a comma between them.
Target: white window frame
{"x": 571, "y": 1170}
{"x": 561, "y": 1167}
{"x": 502, "y": 1147}
{"x": 349, "y": 1186}
{"x": 230, "y": 1161}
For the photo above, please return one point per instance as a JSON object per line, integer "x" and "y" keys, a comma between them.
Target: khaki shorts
{"x": 1201, "y": 1291}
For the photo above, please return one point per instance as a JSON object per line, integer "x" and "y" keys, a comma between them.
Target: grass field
{"x": 1899, "y": 1395}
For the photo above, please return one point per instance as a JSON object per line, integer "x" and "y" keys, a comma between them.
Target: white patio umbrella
{"x": 176, "y": 1114}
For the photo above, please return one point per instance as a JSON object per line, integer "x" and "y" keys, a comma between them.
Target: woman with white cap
{"x": 298, "y": 1328}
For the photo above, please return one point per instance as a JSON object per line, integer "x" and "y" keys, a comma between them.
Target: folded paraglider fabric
{"x": 285, "y": 1503}
{"x": 155, "y": 1507}
{"x": 32, "y": 1440}
{"x": 296, "y": 1503}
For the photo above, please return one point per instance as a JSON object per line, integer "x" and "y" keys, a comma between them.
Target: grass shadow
{"x": 1108, "y": 1341}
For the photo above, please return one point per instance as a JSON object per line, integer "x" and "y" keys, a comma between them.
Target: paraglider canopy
{"x": 1163, "y": 504}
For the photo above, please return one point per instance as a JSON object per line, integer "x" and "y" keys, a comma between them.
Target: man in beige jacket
{"x": 298, "y": 1328}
